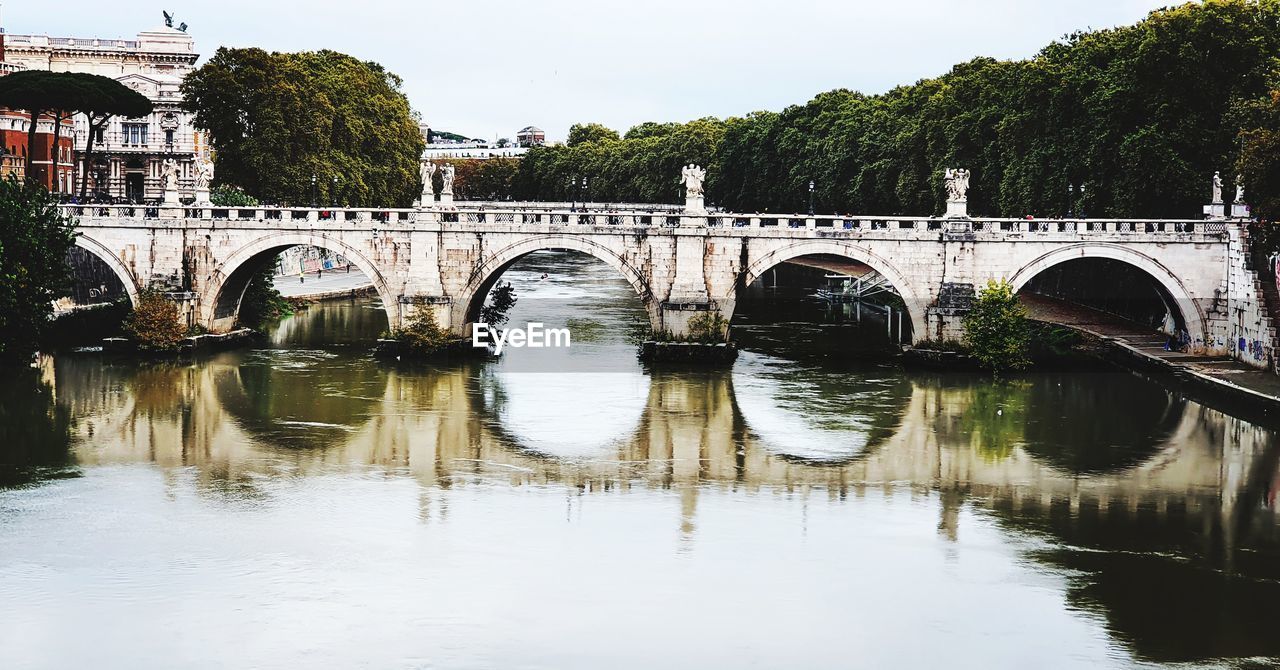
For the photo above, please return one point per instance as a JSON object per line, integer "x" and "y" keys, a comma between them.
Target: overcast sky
{"x": 489, "y": 67}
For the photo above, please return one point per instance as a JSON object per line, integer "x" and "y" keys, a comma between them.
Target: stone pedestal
{"x": 1240, "y": 210}
{"x": 202, "y": 196}
{"x": 957, "y": 209}
{"x": 171, "y": 197}
{"x": 1215, "y": 210}
{"x": 446, "y": 200}
{"x": 695, "y": 205}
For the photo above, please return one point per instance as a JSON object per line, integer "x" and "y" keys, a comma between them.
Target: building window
{"x": 97, "y": 136}
{"x": 134, "y": 133}
{"x": 168, "y": 137}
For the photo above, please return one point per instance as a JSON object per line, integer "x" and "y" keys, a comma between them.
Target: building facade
{"x": 128, "y": 153}
{"x": 14, "y": 138}
{"x": 531, "y": 136}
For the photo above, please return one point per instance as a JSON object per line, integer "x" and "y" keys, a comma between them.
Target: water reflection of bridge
{"x": 442, "y": 426}
{"x": 1182, "y": 496}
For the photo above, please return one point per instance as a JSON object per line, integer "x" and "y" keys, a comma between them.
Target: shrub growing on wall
{"x": 421, "y": 335}
{"x": 154, "y": 323}
{"x": 996, "y": 329}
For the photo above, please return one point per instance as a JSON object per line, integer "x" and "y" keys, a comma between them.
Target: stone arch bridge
{"x": 679, "y": 263}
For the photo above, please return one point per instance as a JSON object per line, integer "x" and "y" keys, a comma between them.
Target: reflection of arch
{"x": 467, "y": 307}
{"x": 915, "y": 307}
{"x": 1190, "y": 311}
{"x": 104, "y": 254}
{"x": 224, "y": 289}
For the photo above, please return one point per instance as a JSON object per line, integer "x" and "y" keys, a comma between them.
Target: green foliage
{"x": 643, "y": 167}
{"x": 34, "y": 240}
{"x": 1141, "y": 115}
{"x": 996, "y": 330}
{"x": 278, "y": 119}
{"x": 153, "y": 324}
{"x": 226, "y": 195}
{"x": 63, "y": 94}
{"x": 708, "y": 328}
{"x": 580, "y": 133}
{"x": 422, "y": 336}
{"x": 495, "y": 313}
{"x": 262, "y": 302}
{"x": 1260, "y": 163}
{"x": 475, "y": 179}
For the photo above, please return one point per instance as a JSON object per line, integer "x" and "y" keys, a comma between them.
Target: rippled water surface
{"x": 303, "y": 505}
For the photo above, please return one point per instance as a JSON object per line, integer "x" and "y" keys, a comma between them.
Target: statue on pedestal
{"x": 204, "y": 174}
{"x": 957, "y": 184}
{"x": 693, "y": 176}
{"x": 169, "y": 174}
{"x": 427, "y": 171}
{"x": 1239, "y": 189}
{"x": 1217, "y": 189}
{"x": 446, "y": 176}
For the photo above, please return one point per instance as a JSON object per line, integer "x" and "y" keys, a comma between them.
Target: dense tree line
{"x": 642, "y": 166}
{"x": 1139, "y": 116}
{"x": 292, "y": 127}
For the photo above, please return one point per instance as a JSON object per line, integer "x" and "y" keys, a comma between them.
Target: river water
{"x": 303, "y": 505}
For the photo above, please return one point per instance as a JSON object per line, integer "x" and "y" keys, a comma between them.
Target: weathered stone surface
{"x": 452, "y": 258}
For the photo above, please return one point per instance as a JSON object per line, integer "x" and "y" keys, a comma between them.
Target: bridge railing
{"x": 667, "y": 218}
{"x": 241, "y": 213}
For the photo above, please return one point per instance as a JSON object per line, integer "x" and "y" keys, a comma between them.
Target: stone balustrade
{"x": 646, "y": 217}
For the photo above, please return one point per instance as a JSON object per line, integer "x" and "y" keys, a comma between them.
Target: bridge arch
{"x": 466, "y": 307}
{"x": 1188, "y": 308}
{"x": 121, "y": 271}
{"x": 916, "y": 307}
{"x": 219, "y": 301}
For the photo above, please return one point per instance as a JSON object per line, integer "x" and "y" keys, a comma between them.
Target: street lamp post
{"x": 333, "y": 194}
{"x": 573, "y": 197}
{"x": 810, "y": 197}
{"x": 584, "y": 192}
{"x": 315, "y": 196}
{"x": 1071, "y": 200}
{"x": 1082, "y": 214}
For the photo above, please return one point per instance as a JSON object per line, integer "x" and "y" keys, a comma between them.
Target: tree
{"x": 421, "y": 336}
{"x": 1260, "y": 162}
{"x": 153, "y": 324}
{"x": 996, "y": 328}
{"x": 1108, "y": 110}
{"x": 40, "y": 92}
{"x": 496, "y": 312}
{"x": 226, "y": 195}
{"x": 590, "y": 132}
{"x": 281, "y": 120}
{"x": 105, "y": 98}
{"x": 483, "y": 179}
{"x": 34, "y": 240}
